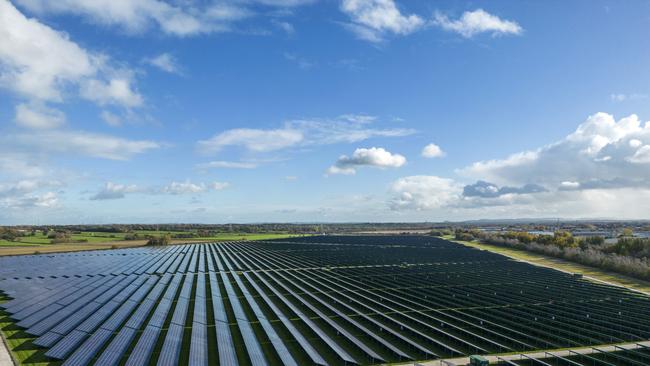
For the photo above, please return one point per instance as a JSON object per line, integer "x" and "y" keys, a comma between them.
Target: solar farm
{"x": 318, "y": 300}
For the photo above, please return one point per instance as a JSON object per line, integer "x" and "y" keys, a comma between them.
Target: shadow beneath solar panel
{"x": 20, "y": 342}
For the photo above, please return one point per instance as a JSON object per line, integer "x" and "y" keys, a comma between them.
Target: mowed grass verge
{"x": 562, "y": 265}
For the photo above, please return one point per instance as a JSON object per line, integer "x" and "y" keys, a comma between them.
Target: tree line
{"x": 629, "y": 256}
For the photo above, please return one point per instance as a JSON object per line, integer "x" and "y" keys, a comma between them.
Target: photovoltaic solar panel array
{"x": 325, "y": 300}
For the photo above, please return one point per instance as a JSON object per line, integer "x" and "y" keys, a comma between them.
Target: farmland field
{"x": 306, "y": 300}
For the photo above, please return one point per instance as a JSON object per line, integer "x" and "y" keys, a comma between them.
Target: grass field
{"x": 101, "y": 241}
{"x": 562, "y": 265}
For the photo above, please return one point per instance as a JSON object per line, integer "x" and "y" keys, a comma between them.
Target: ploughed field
{"x": 326, "y": 300}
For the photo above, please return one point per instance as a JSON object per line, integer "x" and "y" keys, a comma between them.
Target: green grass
{"x": 5, "y": 243}
{"x": 20, "y": 343}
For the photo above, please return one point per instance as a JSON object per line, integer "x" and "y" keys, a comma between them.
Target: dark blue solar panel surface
{"x": 294, "y": 302}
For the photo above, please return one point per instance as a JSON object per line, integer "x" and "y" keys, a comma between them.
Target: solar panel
{"x": 199, "y": 345}
{"x": 141, "y": 353}
{"x": 160, "y": 314}
{"x": 88, "y": 349}
{"x": 139, "y": 316}
{"x": 116, "y": 349}
{"x": 307, "y": 347}
{"x": 48, "y": 339}
{"x": 66, "y": 345}
{"x": 172, "y": 346}
{"x": 180, "y": 312}
{"x": 90, "y": 324}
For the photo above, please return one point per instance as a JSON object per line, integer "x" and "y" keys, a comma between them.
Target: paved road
{"x": 537, "y": 354}
{"x": 5, "y": 358}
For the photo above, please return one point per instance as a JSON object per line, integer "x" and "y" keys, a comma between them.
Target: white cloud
{"x": 80, "y": 143}
{"x": 115, "y": 91}
{"x": 374, "y": 157}
{"x": 358, "y": 118}
{"x": 165, "y": 62}
{"x": 40, "y": 63}
{"x": 115, "y": 191}
{"x": 111, "y": 119}
{"x": 478, "y": 21}
{"x": 21, "y": 165}
{"x": 372, "y": 19}
{"x": 301, "y": 132}
{"x": 335, "y": 170}
{"x": 45, "y": 200}
{"x": 227, "y": 165}
{"x": 641, "y": 156}
{"x": 569, "y": 185}
{"x": 285, "y": 26}
{"x": 620, "y": 97}
{"x": 187, "y": 187}
{"x": 219, "y": 186}
{"x": 252, "y": 139}
{"x": 601, "y": 152}
{"x": 174, "y": 18}
{"x": 302, "y": 62}
{"x": 24, "y": 194}
{"x": 346, "y": 128}
{"x": 118, "y": 191}
{"x": 37, "y": 60}
{"x": 432, "y": 151}
{"x": 38, "y": 116}
{"x": 133, "y": 16}
{"x": 423, "y": 192}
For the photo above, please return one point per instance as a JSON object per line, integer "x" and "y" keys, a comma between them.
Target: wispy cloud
{"x": 165, "y": 62}
{"x": 301, "y": 132}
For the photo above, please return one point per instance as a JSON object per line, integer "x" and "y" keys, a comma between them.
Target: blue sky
{"x": 295, "y": 110}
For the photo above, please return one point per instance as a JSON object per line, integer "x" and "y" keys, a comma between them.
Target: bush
{"x": 159, "y": 240}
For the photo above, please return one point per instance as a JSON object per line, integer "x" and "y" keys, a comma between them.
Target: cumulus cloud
{"x": 45, "y": 200}
{"x": 432, "y": 151}
{"x": 301, "y": 132}
{"x": 81, "y": 144}
{"x": 25, "y": 194}
{"x": 41, "y": 63}
{"x": 423, "y": 192}
{"x": 115, "y": 191}
{"x": 165, "y": 62}
{"x": 478, "y": 21}
{"x": 374, "y": 157}
{"x": 601, "y": 152}
{"x": 115, "y": 91}
{"x": 489, "y": 190}
{"x": 38, "y": 116}
{"x": 373, "y": 19}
